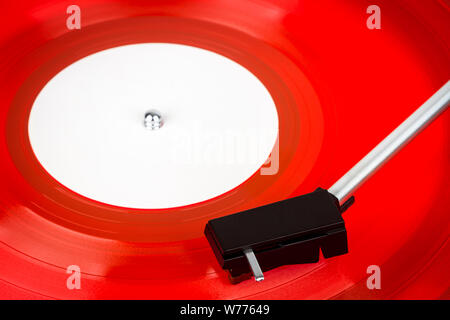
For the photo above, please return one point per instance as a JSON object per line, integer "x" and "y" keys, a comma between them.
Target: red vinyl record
{"x": 339, "y": 88}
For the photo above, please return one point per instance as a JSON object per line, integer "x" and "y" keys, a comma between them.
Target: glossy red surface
{"x": 339, "y": 89}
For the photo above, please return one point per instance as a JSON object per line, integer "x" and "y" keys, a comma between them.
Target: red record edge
{"x": 339, "y": 89}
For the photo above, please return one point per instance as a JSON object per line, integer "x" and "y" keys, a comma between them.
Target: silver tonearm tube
{"x": 430, "y": 110}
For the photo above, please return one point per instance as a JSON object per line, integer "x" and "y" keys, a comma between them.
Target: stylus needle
{"x": 254, "y": 265}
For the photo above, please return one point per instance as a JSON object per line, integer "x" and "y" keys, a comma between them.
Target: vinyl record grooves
{"x": 338, "y": 88}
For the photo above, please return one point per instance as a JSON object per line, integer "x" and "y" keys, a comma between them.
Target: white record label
{"x": 88, "y": 126}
